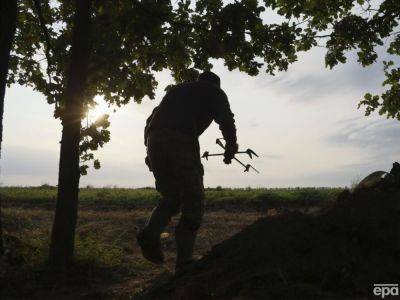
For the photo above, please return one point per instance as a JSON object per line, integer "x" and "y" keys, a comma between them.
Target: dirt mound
{"x": 341, "y": 252}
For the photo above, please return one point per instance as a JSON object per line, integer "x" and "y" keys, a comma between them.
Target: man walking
{"x": 171, "y": 137}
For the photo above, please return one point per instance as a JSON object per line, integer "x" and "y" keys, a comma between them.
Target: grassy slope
{"x": 109, "y": 261}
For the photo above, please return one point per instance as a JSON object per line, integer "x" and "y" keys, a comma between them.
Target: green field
{"x": 108, "y": 261}
{"x": 98, "y": 198}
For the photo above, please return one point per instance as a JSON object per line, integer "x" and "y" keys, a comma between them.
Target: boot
{"x": 149, "y": 238}
{"x": 184, "y": 243}
{"x": 151, "y": 247}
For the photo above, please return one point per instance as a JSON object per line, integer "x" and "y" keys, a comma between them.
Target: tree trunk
{"x": 63, "y": 233}
{"x": 8, "y": 20}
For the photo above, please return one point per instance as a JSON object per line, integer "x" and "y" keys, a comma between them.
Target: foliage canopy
{"x": 135, "y": 39}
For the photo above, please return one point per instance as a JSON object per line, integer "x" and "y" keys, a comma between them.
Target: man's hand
{"x": 230, "y": 151}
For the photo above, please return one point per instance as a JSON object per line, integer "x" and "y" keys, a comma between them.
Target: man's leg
{"x": 192, "y": 191}
{"x": 149, "y": 237}
{"x": 162, "y": 214}
{"x": 186, "y": 231}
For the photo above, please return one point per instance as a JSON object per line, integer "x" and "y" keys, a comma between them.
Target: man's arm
{"x": 224, "y": 117}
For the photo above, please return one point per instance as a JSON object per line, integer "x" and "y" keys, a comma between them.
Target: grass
{"x": 98, "y": 198}
{"x": 108, "y": 260}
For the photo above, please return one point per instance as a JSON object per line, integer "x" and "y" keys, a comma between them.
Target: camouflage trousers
{"x": 175, "y": 162}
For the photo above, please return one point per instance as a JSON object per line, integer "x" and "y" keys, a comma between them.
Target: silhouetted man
{"x": 171, "y": 137}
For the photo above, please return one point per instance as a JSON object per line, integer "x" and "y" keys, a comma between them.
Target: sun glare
{"x": 100, "y": 109}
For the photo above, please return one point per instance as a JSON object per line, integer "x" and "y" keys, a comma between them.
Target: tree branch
{"x": 47, "y": 38}
{"x": 43, "y": 27}
{"x": 322, "y": 36}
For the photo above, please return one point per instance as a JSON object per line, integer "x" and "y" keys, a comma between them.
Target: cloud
{"x": 309, "y": 81}
{"x": 32, "y": 166}
{"x": 378, "y": 135}
{"x": 324, "y": 84}
{"x": 28, "y": 162}
{"x": 377, "y": 140}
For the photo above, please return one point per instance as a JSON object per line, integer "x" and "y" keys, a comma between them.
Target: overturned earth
{"x": 341, "y": 252}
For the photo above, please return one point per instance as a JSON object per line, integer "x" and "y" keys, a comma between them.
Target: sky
{"x": 303, "y": 123}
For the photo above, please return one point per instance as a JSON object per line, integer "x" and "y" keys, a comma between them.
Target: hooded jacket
{"x": 189, "y": 108}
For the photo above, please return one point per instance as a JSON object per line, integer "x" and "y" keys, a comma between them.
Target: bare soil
{"x": 339, "y": 253}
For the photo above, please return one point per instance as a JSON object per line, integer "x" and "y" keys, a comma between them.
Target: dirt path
{"x": 109, "y": 261}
